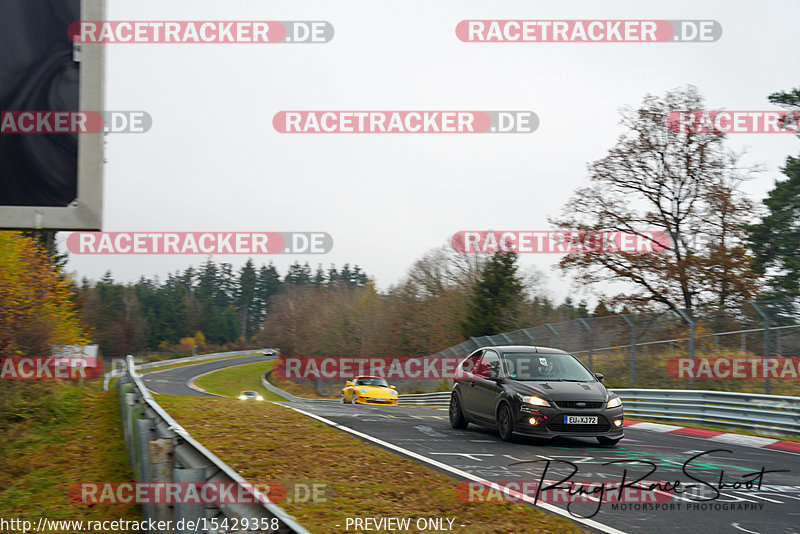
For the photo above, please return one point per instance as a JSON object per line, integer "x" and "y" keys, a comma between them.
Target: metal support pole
{"x": 558, "y": 336}
{"x": 765, "y": 355}
{"x": 588, "y": 327}
{"x": 633, "y": 351}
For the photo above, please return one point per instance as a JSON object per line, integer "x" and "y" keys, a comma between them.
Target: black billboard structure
{"x": 50, "y": 181}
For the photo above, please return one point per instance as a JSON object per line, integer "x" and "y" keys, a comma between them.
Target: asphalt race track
{"x": 425, "y": 435}
{"x": 175, "y": 381}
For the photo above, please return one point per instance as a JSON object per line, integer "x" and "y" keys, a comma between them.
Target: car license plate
{"x": 580, "y": 420}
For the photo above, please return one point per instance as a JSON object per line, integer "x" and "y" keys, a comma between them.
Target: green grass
{"x": 59, "y": 434}
{"x": 231, "y": 380}
{"x": 275, "y": 444}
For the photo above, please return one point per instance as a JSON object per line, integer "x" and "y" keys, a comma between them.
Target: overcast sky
{"x": 213, "y": 162}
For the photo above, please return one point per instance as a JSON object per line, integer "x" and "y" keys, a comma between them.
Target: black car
{"x": 535, "y": 391}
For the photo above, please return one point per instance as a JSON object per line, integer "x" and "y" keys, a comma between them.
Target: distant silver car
{"x": 270, "y": 354}
{"x": 250, "y": 395}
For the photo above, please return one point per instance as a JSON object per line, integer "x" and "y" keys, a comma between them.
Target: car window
{"x": 469, "y": 364}
{"x": 379, "y": 382}
{"x": 490, "y": 362}
{"x": 538, "y": 366}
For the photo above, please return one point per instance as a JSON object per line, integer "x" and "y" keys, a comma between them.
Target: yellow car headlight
{"x": 535, "y": 401}
{"x": 613, "y": 403}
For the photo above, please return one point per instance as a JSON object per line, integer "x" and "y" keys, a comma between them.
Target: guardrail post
{"x": 588, "y": 327}
{"x": 161, "y": 460}
{"x": 765, "y": 355}
{"x": 186, "y": 513}
{"x": 632, "y": 371}
{"x": 145, "y": 432}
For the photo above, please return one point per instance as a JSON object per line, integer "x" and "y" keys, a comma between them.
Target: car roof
{"x": 533, "y": 349}
{"x": 367, "y": 376}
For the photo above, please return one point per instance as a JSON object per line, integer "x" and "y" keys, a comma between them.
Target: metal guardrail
{"x": 163, "y": 363}
{"x": 285, "y": 394}
{"x": 771, "y": 414}
{"x": 160, "y": 450}
{"x": 425, "y": 399}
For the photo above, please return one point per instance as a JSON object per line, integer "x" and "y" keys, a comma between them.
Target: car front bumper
{"x": 550, "y": 422}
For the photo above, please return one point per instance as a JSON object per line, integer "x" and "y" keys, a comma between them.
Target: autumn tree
{"x": 37, "y": 307}
{"x": 684, "y": 185}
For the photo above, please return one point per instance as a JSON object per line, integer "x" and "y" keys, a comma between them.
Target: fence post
{"x": 558, "y": 336}
{"x": 588, "y": 327}
{"x": 633, "y": 351}
{"x": 765, "y": 355}
{"x": 530, "y": 336}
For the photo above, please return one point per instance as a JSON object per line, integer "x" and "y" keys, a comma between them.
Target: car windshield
{"x": 249, "y": 394}
{"x": 378, "y": 382}
{"x": 545, "y": 367}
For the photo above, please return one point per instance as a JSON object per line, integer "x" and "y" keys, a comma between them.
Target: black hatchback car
{"x": 535, "y": 391}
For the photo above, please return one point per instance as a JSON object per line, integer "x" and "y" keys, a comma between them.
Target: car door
{"x": 485, "y": 391}
{"x": 466, "y": 381}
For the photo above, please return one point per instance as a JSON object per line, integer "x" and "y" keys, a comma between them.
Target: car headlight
{"x": 394, "y": 393}
{"x": 536, "y": 401}
{"x": 242, "y": 397}
{"x": 363, "y": 391}
{"x": 613, "y": 403}
{"x": 259, "y": 398}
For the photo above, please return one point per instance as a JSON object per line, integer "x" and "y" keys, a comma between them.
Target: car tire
{"x": 344, "y": 399}
{"x": 607, "y": 442}
{"x": 505, "y": 422}
{"x": 457, "y": 419}
{"x": 353, "y": 399}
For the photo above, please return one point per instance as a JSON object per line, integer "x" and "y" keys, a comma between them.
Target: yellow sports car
{"x": 369, "y": 390}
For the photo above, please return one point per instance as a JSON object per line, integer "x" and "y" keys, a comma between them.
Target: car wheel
{"x": 457, "y": 419}
{"x": 344, "y": 399}
{"x": 353, "y": 399}
{"x": 505, "y": 422}
{"x": 608, "y": 442}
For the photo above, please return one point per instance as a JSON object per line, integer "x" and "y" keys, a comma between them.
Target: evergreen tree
{"x": 775, "y": 240}
{"x": 496, "y": 298}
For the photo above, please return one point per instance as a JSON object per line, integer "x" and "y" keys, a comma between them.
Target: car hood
{"x": 562, "y": 391}
{"x": 376, "y": 391}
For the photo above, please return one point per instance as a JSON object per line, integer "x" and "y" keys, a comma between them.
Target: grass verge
{"x": 60, "y": 435}
{"x": 231, "y": 380}
{"x": 275, "y": 444}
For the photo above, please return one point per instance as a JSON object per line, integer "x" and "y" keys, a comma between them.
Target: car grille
{"x": 572, "y": 404}
{"x": 601, "y": 426}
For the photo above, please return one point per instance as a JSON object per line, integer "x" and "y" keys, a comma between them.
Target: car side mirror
{"x": 392, "y": 387}
{"x": 599, "y": 376}
{"x": 494, "y": 376}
